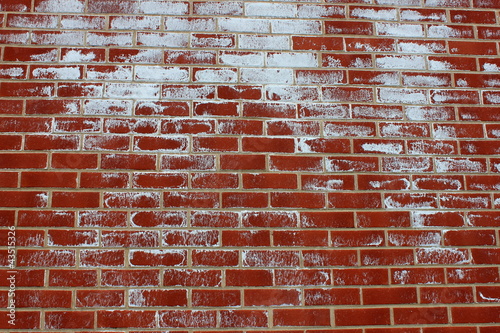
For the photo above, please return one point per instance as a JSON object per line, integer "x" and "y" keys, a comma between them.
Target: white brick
{"x": 184, "y": 24}
{"x": 375, "y": 14}
{"x": 119, "y": 39}
{"x": 412, "y": 47}
{"x": 154, "y": 56}
{"x": 253, "y": 42}
{"x": 271, "y": 9}
{"x": 218, "y": 8}
{"x": 292, "y": 60}
{"x": 397, "y": 2}
{"x": 163, "y": 39}
{"x": 319, "y": 11}
{"x": 401, "y": 62}
{"x": 132, "y": 90}
{"x": 216, "y": 75}
{"x": 121, "y": 73}
{"x": 413, "y": 15}
{"x": 160, "y": 73}
{"x": 82, "y": 22}
{"x": 397, "y": 95}
{"x": 58, "y": 38}
{"x": 61, "y": 6}
{"x": 135, "y": 22}
{"x": 295, "y": 27}
{"x": 266, "y": 75}
{"x": 56, "y": 73}
{"x": 400, "y": 30}
{"x": 164, "y": 7}
{"x": 236, "y": 24}
{"x": 108, "y": 107}
{"x": 242, "y": 59}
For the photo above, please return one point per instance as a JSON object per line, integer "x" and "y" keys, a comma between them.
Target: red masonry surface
{"x": 193, "y": 166}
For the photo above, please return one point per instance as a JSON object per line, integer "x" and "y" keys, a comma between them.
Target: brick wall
{"x": 250, "y": 166}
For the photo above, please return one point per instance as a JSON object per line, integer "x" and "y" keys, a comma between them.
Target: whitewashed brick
{"x": 160, "y": 73}
{"x": 320, "y": 11}
{"x": 295, "y": 27}
{"x": 119, "y": 39}
{"x": 218, "y": 8}
{"x": 242, "y": 59}
{"x": 107, "y": 107}
{"x": 216, "y": 75}
{"x": 236, "y": 24}
{"x": 413, "y": 47}
{"x": 256, "y": 42}
{"x": 291, "y": 59}
{"x": 401, "y": 62}
{"x": 136, "y": 22}
{"x": 119, "y": 73}
{"x": 375, "y": 14}
{"x": 132, "y": 90}
{"x": 397, "y": 95}
{"x": 61, "y": 6}
{"x": 163, "y": 39}
{"x": 185, "y": 24}
{"x": 164, "y": 7}
{"x": 266, "y": 75}
{"x": 400, "y": 30}
{"x": 271, "y": 9}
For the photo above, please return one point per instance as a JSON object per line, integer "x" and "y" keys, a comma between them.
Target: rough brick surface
{"x": 310, "y": 166}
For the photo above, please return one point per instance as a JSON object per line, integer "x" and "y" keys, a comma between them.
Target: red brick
{"x": 300, "y": 238}
{"x": 67, "y": 238}
{"x": 118, "y": 238}
{"x": 187, "y": 318}
{"x": 102, "y": 219}
{"x": 46, "y": 258}
{"x": 126, "y": 319}
{"x": 483, "y": 314}
{"x": 421, "y": 315}
{"x": 155, "y": 297}
{"x": 269, "y": 110}
{"x": 48, "y": 179}
{"x": 72, "y": 278}
{"x": 246, "y": 238}
{"x": 297, "y": 200}
{"x": 102, "y": 258}
{"x": 190, "y": 238}
{"x": 201, "y": 278}
{"x": 473, "y": 275}
{"x": 417, "y": 275}
{"x": 378, "y": 296}
{"x": 325, "y": 258}
{"x": 360, "y": 238}
{"x": 74, "y": 161}
{"x": 245, "y": 277}
{"x": 377, "y": 257}
{"x": 69, "y": 319}
{"x": 218, "y": 298}
{"x": 24, "y": 199}
{"x": 157, "y": 257}
{"x": 216, "y": 258}
{"x": 271, "y": 297}
{"x": 159, "y": 180}
{"x": 302, "y": 277}
{"x": 301, "y": 317}
{"x": 100, "y": 298}
{"x": 271, "y": 181}
{"x": 128, "y": 278}
{"x": 327, "y": 297}
{"x": 362, "y": 317}
{"x": 263, "y": 219}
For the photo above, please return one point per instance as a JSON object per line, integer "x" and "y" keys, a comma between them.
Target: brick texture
{"x": 311, "y": 166}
